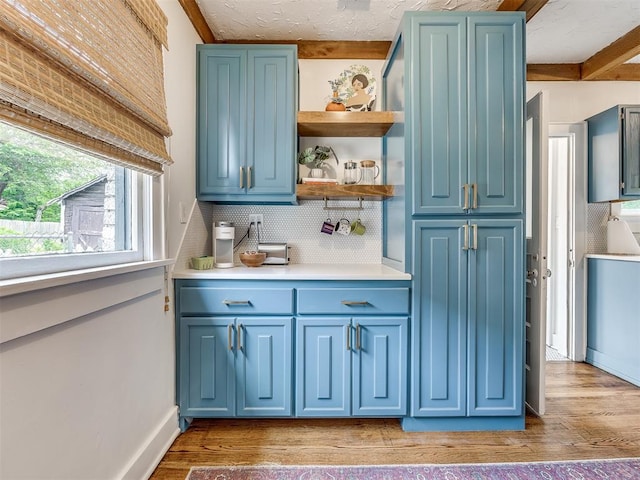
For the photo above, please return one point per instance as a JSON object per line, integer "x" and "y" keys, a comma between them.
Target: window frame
{"x": 144, "y": 217}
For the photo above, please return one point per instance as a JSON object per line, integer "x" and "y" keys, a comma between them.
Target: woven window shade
{"x": 88, "y": 73}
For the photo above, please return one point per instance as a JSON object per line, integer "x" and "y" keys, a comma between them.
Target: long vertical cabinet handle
{"x": 474, "y": 227}
{"x": 241, "y": 177}
{"x": 239, "y": 338}
{"x": 230, "y": 336}
{"x": 249, "y": 178}
{"x": 465, "y": 233}
{"x": 358, "y": 334}
{"x": 465, "y": 192}
{"x": 348, "y": 336}
{"x": 474, "y": 187}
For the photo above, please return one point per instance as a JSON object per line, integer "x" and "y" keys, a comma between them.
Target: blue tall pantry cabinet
{"x": 456, "y": 222}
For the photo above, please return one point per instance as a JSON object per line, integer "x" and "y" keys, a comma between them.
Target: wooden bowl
{"x": 253, "y": 259}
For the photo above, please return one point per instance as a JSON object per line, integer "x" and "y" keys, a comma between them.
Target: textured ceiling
{"x": 563, "y": 31}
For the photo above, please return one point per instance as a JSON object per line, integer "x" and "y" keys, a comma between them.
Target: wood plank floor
{"x": 590, "y": 414}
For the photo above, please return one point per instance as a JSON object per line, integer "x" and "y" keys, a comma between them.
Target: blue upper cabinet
{"x": 246, "y": 123}
{"x": 614, "y": 154}
{"x": 465, "y": 106}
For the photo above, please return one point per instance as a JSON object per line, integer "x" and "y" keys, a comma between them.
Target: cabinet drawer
{"x": 353, "y": 301}
{"x": 234, "y": 301}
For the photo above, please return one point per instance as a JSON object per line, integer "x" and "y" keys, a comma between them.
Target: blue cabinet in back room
{"x": 614, "y": 154}
{"x": 246, "y": 123}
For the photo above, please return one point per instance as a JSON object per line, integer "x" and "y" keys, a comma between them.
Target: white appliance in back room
{"x": 620, "y": 238}
{"x": 223, "y": 236}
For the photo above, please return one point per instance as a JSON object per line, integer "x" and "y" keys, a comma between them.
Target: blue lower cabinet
{"x": 351, "y": 366}
{"x": 467, "y": 333}
{"x": 234, "y": 367}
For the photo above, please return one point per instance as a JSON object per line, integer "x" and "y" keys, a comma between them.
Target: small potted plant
{"x": 315, "y": 158}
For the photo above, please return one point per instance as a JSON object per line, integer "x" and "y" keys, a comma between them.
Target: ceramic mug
{"x": 343, "y": 227}
{"x": 358, "y": 228}
{"x": 328, "y": 227}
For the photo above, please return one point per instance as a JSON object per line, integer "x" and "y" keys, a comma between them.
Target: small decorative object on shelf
{"x": 354, "y": 90}
{"x": 316, "y": 159}
{"x": 336, "y": 104}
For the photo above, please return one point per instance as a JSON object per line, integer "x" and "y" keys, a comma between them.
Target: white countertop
{"x": 297, "y": 272}
{"x": 613, "y": 256}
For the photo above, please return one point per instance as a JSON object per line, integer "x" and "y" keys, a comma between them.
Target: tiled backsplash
{"x": 297, "y": 225}
{"x": 597, "y": 217}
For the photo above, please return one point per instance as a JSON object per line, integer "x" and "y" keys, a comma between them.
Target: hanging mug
{"x": 358, "y": 228}
{"x": 343, "y": 227}
{"x": 328, "y": 227}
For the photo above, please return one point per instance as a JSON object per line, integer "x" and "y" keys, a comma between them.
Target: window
{"x": 62, "y": 209}
{"x": 89, "y": 75}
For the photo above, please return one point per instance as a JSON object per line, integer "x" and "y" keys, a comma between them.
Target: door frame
{"x": 577, "y": 321}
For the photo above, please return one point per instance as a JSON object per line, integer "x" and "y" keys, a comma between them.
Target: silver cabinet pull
{"x": 230, "y": 336}
{"x": 237, "y": 302}
{"x": 249, "y": 178}
{"x": 475, "y": 236}
{"x": 465, "y": 189}
{"x": 350, "y": 303}
{"x": 465, "y": 234}
{"x": 241, "y": 177}
{"x": 358, "y": 333}
{"x": 348, "y": 337}
{"x": 240, "y": 327}
{"x": 474, "y": 187}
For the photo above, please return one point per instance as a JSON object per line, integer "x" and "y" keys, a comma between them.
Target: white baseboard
{"x": 147, "y": 458}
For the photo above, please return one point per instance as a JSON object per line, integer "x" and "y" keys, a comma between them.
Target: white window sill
{"x": 37, "y": 282}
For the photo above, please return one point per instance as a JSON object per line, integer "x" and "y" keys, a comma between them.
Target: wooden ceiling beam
{"x": 628, "y": 72}
{"x": 544, "y": 72}
{"x": 198, "y": 21}
{"x": 331, "y": 49}
{"x": 531, "y": 7}
{"x": 510, "y": 5}
{"x": 623, "y": 49}
{"x": 608, "y": 64}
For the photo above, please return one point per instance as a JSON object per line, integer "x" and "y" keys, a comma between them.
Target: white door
{"x": 536, "y": 301}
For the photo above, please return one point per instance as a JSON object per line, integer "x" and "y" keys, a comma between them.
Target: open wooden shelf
{"x": 337, "y": 192}
{"x": 345, "y": 124}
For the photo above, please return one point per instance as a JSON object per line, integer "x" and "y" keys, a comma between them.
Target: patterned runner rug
{"x": 612, "y": 469}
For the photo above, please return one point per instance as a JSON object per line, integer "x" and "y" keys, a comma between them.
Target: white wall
{"x": 92, "y": 397}
{"x": 572, "y": 102}
{"x": 180, "y": 81}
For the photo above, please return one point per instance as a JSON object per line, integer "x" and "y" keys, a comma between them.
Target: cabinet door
{"x": 496, "y": 317}
{"x": 323, "y": 367}
{"x": 221, "y": 121}
{"x": 206, "y": 374}
{"x": 439, "y": 318}
{"x": 496, "y": 113}
{"x": 438, "y": 114}
{"x": 263, "y": 366}
{"x": 380, "y": 366}
{"x": 271, "y": 120}
{"x": 631, "y": 152}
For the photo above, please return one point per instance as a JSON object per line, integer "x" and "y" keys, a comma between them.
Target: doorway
{"x": 560, "y": 244}
{"x": 567, "y": 205}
